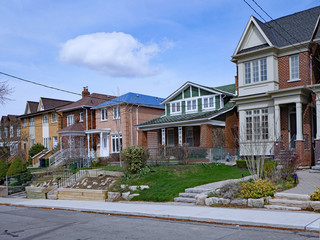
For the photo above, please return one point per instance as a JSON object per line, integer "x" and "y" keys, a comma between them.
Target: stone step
{"x": 188, "y": 195}
{"x": 316, "y": 167}
{"x": 185, "y": 200}
{"x": 279, "y": 207}
{"x": 290, "y": 203}
{"x": 196, "y": 190}
{"x": 314, "y": 171}
{"x": 292, "y": 196}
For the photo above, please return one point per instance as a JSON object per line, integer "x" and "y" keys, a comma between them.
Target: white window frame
{"x": 11, "y": 131}
{"x": 174, "y": 106}
{"x": 31, "y": 123}
{"x": 46, "y": 142}
{"x": 296, "y": 67}
{"x": 54, "y": 117}
{"x": 45, "y": 119}
{"x": 54, "y": 141}
{"x": 256, "y": 71}
{"x": 193, "y": 107}
{"x": 18, "y": 131}
{"x": 32, "y": 142}
{"x": 116, "y": 142}
{"x": 116, "y": 112}
{"x": 208, "y": 99}
{"x": 24, "y": 122}
{"x": 5, "y": 132}
{"x": 256, "y": 124}
{"x": 81, "y": 117}
{"x": 104, "y": 114}
{"x": 70, "y": 120}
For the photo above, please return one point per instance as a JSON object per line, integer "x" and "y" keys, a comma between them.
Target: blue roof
{"x": 135, "y": 98}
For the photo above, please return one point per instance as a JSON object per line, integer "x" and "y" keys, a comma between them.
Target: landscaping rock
{"x": 125, "y": 195}
{"x": 200, "y": 199}
{"x": 267, "y": 200}
{"x": 113, "y": 196}
{"x": 133, "y": 188}
{"x": 315, "y": 205}
{"x": 212, "y": 200}
{"x": 239, "y": 202}
{"x": 89, "y": 186}
{"x": 142, "y": 187}
{"x": 123, "y": 186}
{"x": 225, "y": 201}
{"x": 133, "y": 195}
{"x": 256, "y": 202}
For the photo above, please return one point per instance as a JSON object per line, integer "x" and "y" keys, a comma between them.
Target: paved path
{"x": 215, "y": 185}
{"x": 308, "y": 182}
{"x": 234, "y": 216}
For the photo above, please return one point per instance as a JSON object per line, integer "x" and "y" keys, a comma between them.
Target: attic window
{"x": 176, "y": 107}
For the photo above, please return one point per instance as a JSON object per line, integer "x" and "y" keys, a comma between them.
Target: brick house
{"x": 194, "y": 115}
{"x": 39, "y": 123}
{"x": 277, "y": 86}
{"x": 10, "y": 135}
{"x": 116, "y": 120}
{"x": 76, "y": 119}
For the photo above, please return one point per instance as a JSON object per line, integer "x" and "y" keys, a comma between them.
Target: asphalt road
{"x": 32, "y": 224}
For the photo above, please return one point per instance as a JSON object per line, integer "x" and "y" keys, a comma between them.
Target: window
{"x": 257, "y": 124}
{"x": 81, "y": 117}
{"x": 54, "y": 141}
{"x": 5, "y": 132}
{"x": 208, "y": 102}
{"x": 24, "y": 122}
{"x": 170, "y": 137}
{"x": 116, "y": 142}
{"x": 18, "y": 131}
{"x": 45, "y": 118}
{"x": 70, "y": 120}
{"x": 176, "y": 107}
{"x": 116, "y": 112}
{"x": 255, "y": 71}
{"x": 191, "y": 105}
{"x": 54, "y": 117}
{"x": 11, "y": 131}
{"x": 46, "y": 142}
{"x": 31, "y": 122}
{"x": 104, "y": 114}
{"x": 294, "y": 67}
{"x": 32, "y": 142}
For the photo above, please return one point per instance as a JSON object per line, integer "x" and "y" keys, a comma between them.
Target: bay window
{"x": 255, "y": 71}
{"x": 257, "y": 125}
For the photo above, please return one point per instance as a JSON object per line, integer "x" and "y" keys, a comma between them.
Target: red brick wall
{"x": 284, "y": 71}
{"x": 153, "y": 138}
{"x": 206, "y": 135}
{"x": 231, "y": 129}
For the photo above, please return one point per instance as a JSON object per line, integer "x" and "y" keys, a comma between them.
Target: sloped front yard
{"x": 166, "y": 182}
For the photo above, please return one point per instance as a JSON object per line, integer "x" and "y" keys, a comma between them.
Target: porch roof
{"x": 202, "y": 116}
{"x": 74, "y": 129}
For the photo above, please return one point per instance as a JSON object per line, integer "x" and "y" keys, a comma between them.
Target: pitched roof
{"x": 89, "y": 100}
{"x": 77, "y": 127}
{"x": 136, "y": 99}
{"x": 33, "y": 106}
{"x": 187, "y": 117}
{"x": 288, "y": 30}
{"x": 230, "y": 88}
{"x": 9, "y": 118}
{"x": 49, "y": 103}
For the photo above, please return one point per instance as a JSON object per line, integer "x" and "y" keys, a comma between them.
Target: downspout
{"x": 137, "y": 117}
{"x": 88, "y": 134}
{"x": 131, "y": 130}
{"x": 91, "y": 128}
{"x": 312, "y": 107}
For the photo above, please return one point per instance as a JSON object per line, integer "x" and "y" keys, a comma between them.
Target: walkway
{"x": 308, "y": 182}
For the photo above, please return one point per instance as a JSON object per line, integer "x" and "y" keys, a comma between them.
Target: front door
{"x": 189, "y": 136}
{"x": 292, "y": 127}
{"x": 105, "y": 145}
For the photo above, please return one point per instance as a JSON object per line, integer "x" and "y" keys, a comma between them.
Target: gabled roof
{"x": 49, "y": 103}
{"x": 9, "y": 118}
{"x": 202, "y": 116}
{"x": 76, "y": 128}
{"x": 135, "y": 99}
{"x": 228, "y": 90}
{"x": 285, "y": 31}
{"x": 87, "y": 101}
{"x": 32, "y": 106}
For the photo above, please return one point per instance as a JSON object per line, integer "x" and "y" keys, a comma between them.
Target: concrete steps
{"x": 189, "y": 196}
{"x": 289, "y": 202}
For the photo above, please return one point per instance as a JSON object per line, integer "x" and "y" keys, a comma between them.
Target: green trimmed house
{"x": 194, "y": 115}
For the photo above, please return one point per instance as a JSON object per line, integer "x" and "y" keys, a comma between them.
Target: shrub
{"x": 316, "y": 195}
{"x": 230, "y": 190}
{"x": 135, "y": 158}
{"x": 181, "y": 153}
{"x": 257, "y": 189}
{"x": 35, "y": 149}
{"x": 269, "y": 168}
{"x": 3, "y": 169}
{"x": 241, "y": 163}
{"x": 17, "y": 167}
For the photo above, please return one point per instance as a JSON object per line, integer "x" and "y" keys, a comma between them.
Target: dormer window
{"x": 255, "y": 71}
{"x": 192, "y": 105}
{"x": 208, "y": 102}
{"x": 176, "y": 107}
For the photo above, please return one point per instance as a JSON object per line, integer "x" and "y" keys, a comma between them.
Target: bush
{"x": 316, "y": 195}
{"x": 230, "y": 190}
{"x": 35, "y": 149}
{"x": 3, "y": 169}
{"x": 269, "y": 169}
{"x": 257, "y": 189}
{"x": 241, "y": 163}
{"x": 135, "y": 158}
{"x": 17, "y": 167}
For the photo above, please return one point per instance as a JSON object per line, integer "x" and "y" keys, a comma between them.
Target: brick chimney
{"x": 85, "y": 92}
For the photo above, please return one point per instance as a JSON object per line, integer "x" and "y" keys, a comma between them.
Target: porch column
{"x": 61, "y": 143}
{"x": 318, "y": 116}
{"x": 206, "y": 136}
{"x": 101, "y": 135}
{"x": 277, "y": 121}
{"x": 180, "y": 135}
{"x": 88, "y": 141}
{"x": 299, "y": 121}
{"x": 163, "y": 136}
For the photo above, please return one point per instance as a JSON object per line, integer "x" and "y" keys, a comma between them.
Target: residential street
{"x": 29, "y": 223}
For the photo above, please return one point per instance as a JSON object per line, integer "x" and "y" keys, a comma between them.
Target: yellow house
{"x": 40, "y": 123}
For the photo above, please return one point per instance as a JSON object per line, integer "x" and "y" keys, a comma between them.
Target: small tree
{"x": 135, "y": 158}
{"x": 35, "y": 149}
{"x": 17, "y": 167}
{"x": 3, "y": 170}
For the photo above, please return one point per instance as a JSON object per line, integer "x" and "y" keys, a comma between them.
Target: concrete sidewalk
{"x": 250, "y": 217}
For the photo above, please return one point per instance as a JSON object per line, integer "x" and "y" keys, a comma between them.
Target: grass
{"x": 166, "y": 182}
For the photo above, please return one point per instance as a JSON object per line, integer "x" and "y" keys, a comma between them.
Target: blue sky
{"x": 113, "y": 47}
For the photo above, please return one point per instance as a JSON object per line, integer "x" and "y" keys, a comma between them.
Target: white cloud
{"x": 116, "y": 54}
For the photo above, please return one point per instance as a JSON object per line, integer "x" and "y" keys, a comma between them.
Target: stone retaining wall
{"x": 3, "y": 191}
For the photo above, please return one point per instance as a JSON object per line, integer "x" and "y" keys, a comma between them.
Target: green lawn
{"x": 166, "y": 182}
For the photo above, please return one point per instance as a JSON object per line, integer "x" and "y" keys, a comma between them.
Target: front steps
{"x": 189, "y": 196}
{"x": 289, "y": 201}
